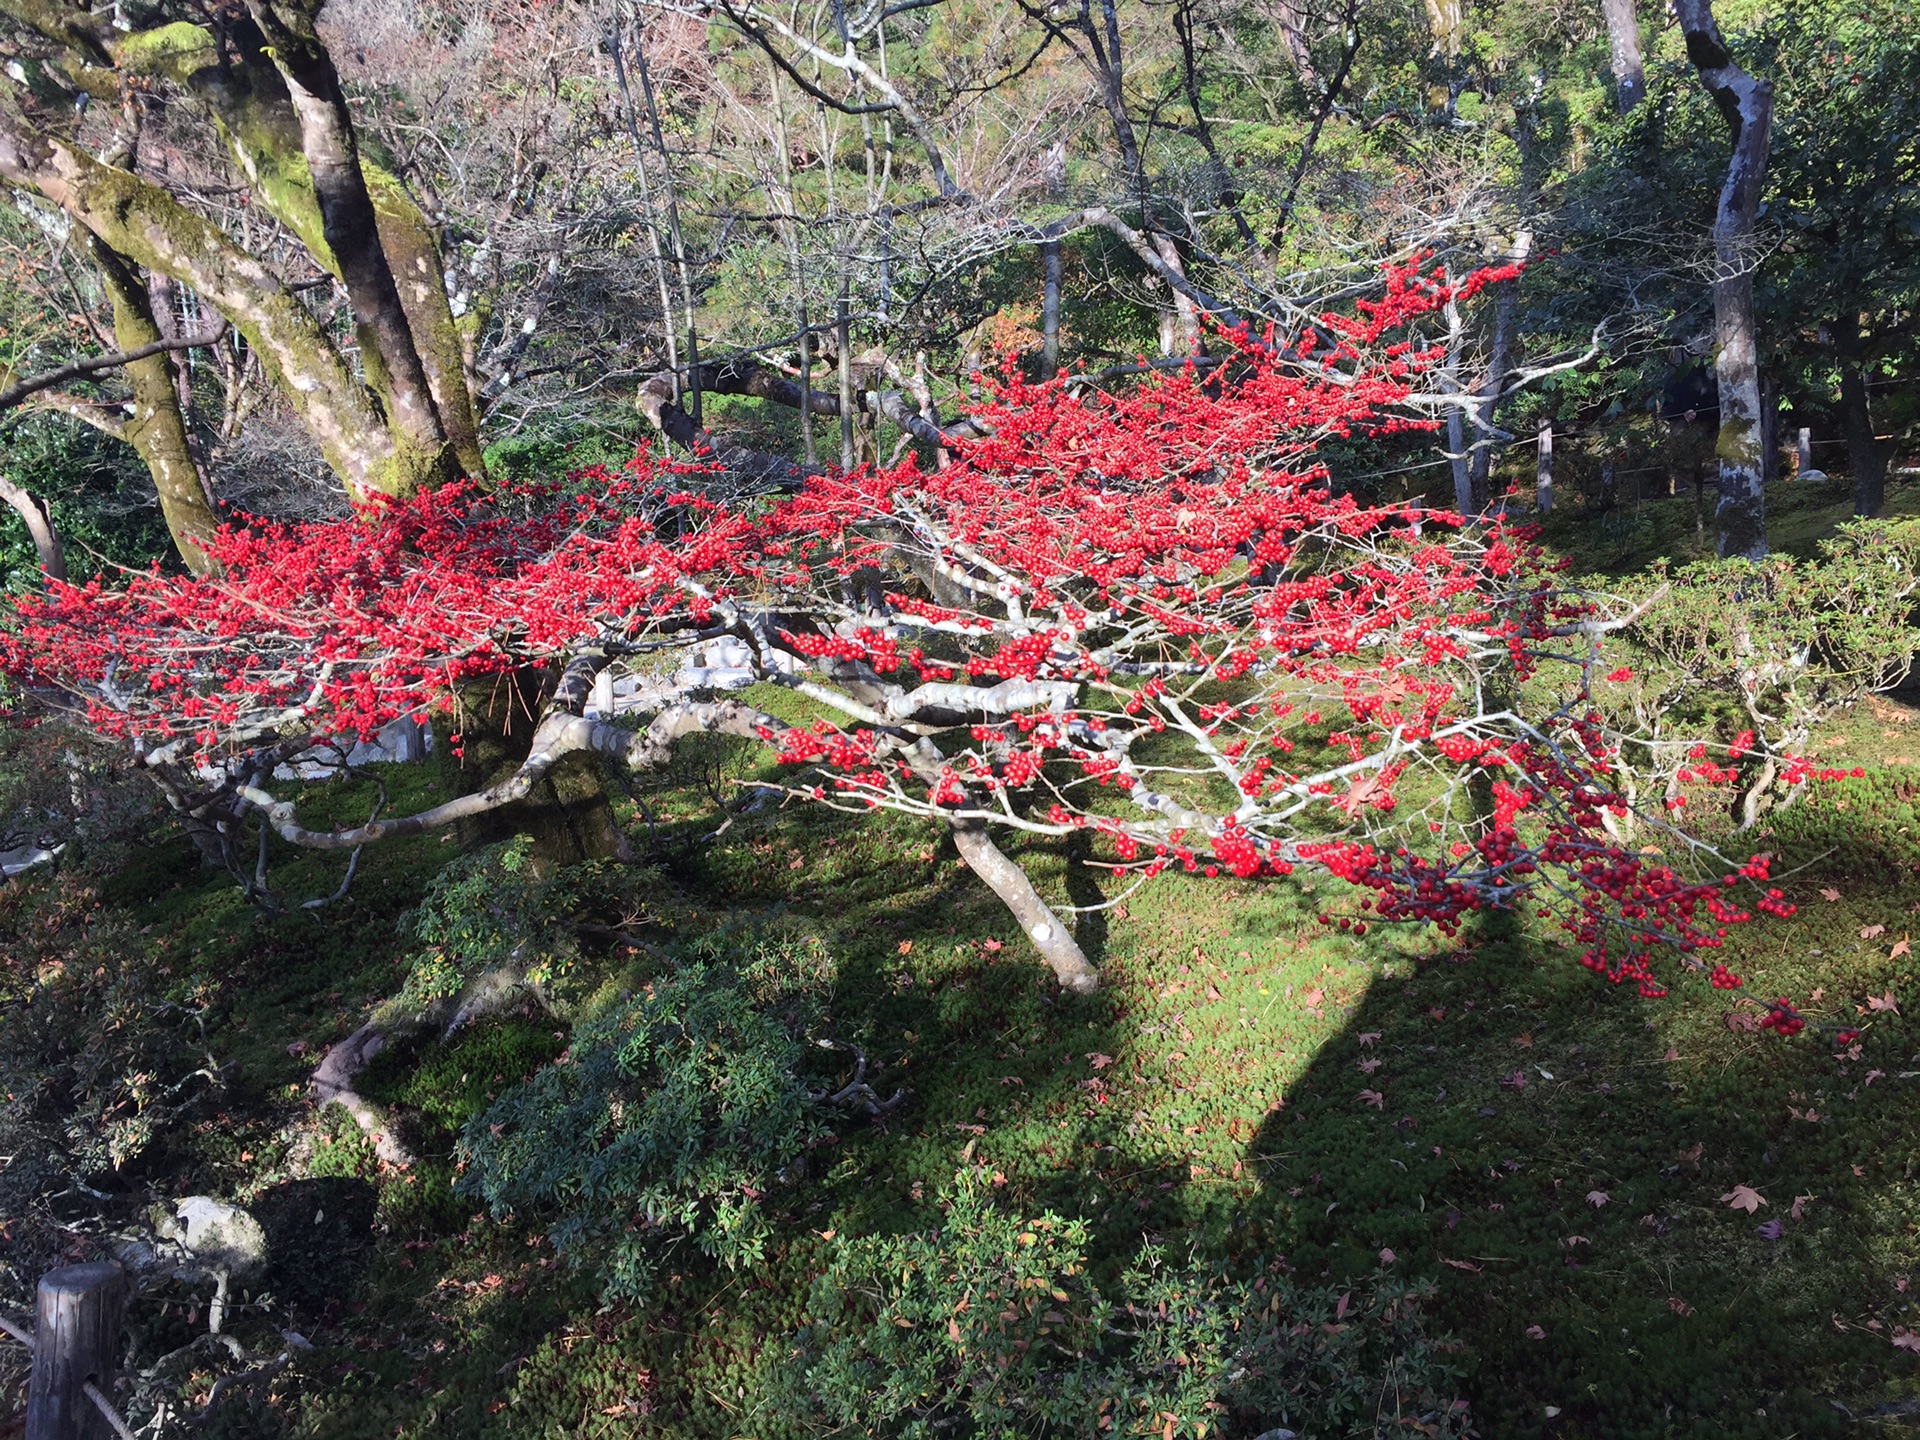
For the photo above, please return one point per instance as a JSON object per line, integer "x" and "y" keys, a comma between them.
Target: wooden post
{"x": 1543, "y": 470}
{"x": 1803, "y": 453}
{"x": 76, "y": 1337}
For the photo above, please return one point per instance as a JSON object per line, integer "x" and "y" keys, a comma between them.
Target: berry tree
{"x": 1150, "y": 617}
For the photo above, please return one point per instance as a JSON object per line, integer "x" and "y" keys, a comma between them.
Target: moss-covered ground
{"x": 1249, "y": 1083}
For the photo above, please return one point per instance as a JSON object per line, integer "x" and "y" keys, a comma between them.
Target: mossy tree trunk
{"x": 157, "y": 429}
{"x": 401, "y": 415}
{"x": 567, "y": 817}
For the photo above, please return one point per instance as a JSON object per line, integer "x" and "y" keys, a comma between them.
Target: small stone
{"x": 219, "y": 1235}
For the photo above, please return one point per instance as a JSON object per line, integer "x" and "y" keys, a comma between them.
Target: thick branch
{"x": 46, "y": 542}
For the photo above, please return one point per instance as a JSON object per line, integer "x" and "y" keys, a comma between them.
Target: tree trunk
{"x": 35, "y": 516}
{"x": 154, "y": 230}
{"x": 1623, "y": 41}
{"x": 1052, "y": 939}
{"x": 157, "y": 428}
{"x": 1867, "y": 456}
{"x": 1747, "y": 105}
{"x": 567, "y": 815}
{"x": 1050, "y": 310}
{"x": 1543, "y": 470}
{"x": 352, "y": 233}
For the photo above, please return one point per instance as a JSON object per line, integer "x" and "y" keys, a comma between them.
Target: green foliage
{"x": 1773, "y": 646}
{"x": 991, "y": 1326}
{"x": 672, "y": 1115}
{"x": 500, "y": 907}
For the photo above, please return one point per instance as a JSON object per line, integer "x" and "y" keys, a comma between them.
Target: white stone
{"x": 218, "y": 1235}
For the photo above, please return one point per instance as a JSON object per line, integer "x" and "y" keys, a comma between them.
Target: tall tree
{"x": 1747, "y": 105}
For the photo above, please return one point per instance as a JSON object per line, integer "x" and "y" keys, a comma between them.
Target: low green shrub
{"x": 991, "y": 1326}
{"x": 672, "y": 1115}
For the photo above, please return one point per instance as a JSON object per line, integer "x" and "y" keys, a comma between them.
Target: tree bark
{"x": 1050, "y": 309}
{"x": 157, "y": 429}
{"x": 1623, "y": 41}
{"x": 34, "y": 514}
{"x": 351, "y": 229}
{"x": 1747, "y": 105}
{"x": 565, "y": 814}
{"x": 1052, "y": 939}
{"x": 1543, "y": 470}
{"x": 149, "y": 227}
{"x": 1867, "y": 456}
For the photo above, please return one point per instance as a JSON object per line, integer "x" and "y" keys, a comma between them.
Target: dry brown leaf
{"x": 1672, "y": 1054}
{"x": 1902, "y": 946}
{"x": 1906, "y": 1340}
{"x": 1800, "y": 1203}
{"x": 1741, "y": 1023}
{"x": 1827, "y": 892}
{"x": 1743, "y": 1197}
{"x": 1369, "y": 1066}
{"x": 1367, "y": 1037}
{"x": 1534, "y": 1332}
{"x": 1372, "y": 1097}
{"x": 1524, "y": 1039}
{"x": 1691, "y": 1158}
{"x": 1884, "y": 1002}
{"x": 1678, "y": 1306}
{"x": 1597, "y": 1198}
{"x": 1099, "y": 1061}
{"x": 1466, "y": 1265}
{"x": 1871, "y": 932}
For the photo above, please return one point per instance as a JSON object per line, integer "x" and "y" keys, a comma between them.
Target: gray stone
{"x": 218, "y": 1235}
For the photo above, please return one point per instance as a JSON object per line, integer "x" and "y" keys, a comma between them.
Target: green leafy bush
{"x": 990, "y": 1326}
{"x": 672, "y": 1115}
{"x": 501, "y": 908}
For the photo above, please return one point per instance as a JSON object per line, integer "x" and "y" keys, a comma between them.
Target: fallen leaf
{"x": 1672, "y": 1054}
{"x": 1466, "y": 1265}
{"x": 1534, "y": 1332}
{"x": 1771, "y": 1230}
{"x": 1367, "y": 1037}
{"x": 1827, "y": 892}
{"x": 1100, "y": 1062}
{"x": 1573, "y": 1240}
{"x": 1800, "y": 1203}
{"x": 1873, "y": 1075}
{"x": 1369, "y": 1066}
{"x": 991, "y": 945}
{"x": 1741, "y": 1023}
{"x": 1743, "y": 1197}
{"x": 1524, "y": 1039}
{"x": 1372, "y": 1097}
{"x": 1438, "y": 1012}
{"x": 1313, "y": 997}
{"x": 1516, "y": 1081}
{"x": 1884, "y": 1002}
{"x": 1340, "y": 1309}
{"x": 1859, "y": 1172}
{"x": 1678, "y": 1306}
{"x": 1906, "y": 1340}
{"x": 1691, "y": 1158}
{"x": 1597, "y": 1198}
{"x": 1871, "y": 932}
{"x": 1819, "y": 994}
{"x": 905, "y": 947}
{"x": 1387, "y": 1257}
{"x": 1213, "y": 992}
{"x": 1902, "y": 946}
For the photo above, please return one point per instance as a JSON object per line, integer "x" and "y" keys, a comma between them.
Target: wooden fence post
{"x": 76, "y": 1339}
{"x": 1543, "y": 470}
